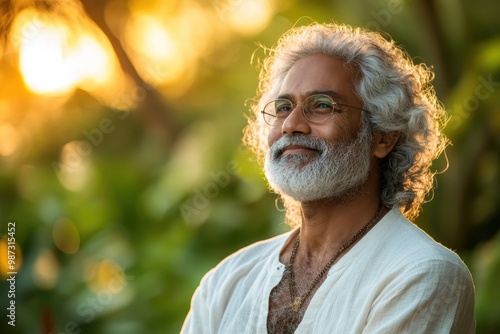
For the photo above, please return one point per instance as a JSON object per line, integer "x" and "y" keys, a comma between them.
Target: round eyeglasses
{"x": 316, "y": 108}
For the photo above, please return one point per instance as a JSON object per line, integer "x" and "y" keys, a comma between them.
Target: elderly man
{"x": 352, "y": 127}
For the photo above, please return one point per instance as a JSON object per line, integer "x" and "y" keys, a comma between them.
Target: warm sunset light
{"x": 166, "y": 44}
{"x": 9, "y": 139}
{"x": 55, "y": 58}
{"x": 250, "y": 16}
{"x": 156, "y": 50}
{"x": 45, "y": 61}
{"x": 96, "y": 62}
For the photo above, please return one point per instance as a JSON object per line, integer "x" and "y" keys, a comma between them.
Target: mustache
{"x": 313, "y": 143}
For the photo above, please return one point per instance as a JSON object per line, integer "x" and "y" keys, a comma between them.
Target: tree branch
{"x": 153, "y": 108}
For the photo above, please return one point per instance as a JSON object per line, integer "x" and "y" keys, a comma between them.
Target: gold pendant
{"x": 296, "y": 304}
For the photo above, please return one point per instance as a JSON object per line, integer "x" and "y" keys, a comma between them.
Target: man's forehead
{"x": 319, "y": 73}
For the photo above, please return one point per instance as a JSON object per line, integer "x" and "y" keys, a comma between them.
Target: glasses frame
{"x": 294, "y": 105}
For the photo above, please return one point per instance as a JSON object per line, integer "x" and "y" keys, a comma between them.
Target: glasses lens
{"x": 275, "y": 112}
{"x": 318, "y": 108}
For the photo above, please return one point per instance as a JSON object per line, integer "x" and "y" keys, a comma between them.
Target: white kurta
{"x": 396, "y": 279}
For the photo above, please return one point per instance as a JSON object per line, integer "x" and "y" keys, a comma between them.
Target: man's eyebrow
{"x": 285, "y": 96}
{"x": 333, "y": 94}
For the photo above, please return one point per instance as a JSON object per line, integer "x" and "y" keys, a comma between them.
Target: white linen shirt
{"x": 396, "y": 279}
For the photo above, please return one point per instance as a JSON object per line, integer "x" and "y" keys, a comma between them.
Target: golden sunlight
{"x": 9, "y": 139}
{"x": 95, "y": 61}
{"x": 45, "y": 61}
{"x": 156, "y": 52}
{"x": 249, "y": 17}
{"x": 55, "y": 58}
{"x": 166, "y": 43}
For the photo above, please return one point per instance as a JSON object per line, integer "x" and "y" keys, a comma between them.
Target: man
{"x": 352, "y": 127}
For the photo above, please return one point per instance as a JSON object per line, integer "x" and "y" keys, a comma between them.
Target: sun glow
{"x": 166, "y": 45}
{"x": 152, "y": 40}
{"x": 45, "y": 62}
{"x": 249, "y": 17}
{"x": 9, "y": 139}
{"x": 56, "y": 59}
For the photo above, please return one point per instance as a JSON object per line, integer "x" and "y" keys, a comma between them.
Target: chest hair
{"x": 281, "y": 318}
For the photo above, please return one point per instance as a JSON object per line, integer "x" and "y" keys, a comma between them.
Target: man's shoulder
{"x": 254, "y": 255}
{"x": 408, "y": 242}
{"x": 259, "y": 249}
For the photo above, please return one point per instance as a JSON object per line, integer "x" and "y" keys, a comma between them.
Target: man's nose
{"x": 296, "y": 122}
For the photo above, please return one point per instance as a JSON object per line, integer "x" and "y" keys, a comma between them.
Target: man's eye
{"x": 324, "y": 105}
{"x": 283, "y": 108}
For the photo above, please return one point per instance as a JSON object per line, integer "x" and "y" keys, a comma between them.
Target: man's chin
{"x": 312, "y": 196}
{"x": 300, "y": 195}
{"x": 304, "y": 196}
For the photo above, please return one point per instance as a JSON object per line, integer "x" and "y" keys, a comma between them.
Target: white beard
{"x": 337, "y": 171}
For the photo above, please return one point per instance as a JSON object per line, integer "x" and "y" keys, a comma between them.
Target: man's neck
{"x": 327, "y": 225}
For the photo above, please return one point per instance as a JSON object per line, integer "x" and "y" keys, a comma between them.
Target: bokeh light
{"x": 166, "y": 44}
{"x": 44, "y": 60}
{"x": 157, "y": 47}
{"x": 9, "y": 139}
{"x": 66, "y": 236}
{"x": 55, "y": 58}
{"x": 249, "y": 17}
{"x": 46, "y": 269}
{"x": 73, "y": 170}
{"x": 104, "y": 275}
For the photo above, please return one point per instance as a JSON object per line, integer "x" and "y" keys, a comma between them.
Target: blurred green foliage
{"x": 153, "y": 216}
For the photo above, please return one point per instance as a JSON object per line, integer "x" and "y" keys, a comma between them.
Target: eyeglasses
{"x": 316, "y": 108}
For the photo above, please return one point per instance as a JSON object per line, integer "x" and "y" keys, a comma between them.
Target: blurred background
{"x": 120, "y": 148}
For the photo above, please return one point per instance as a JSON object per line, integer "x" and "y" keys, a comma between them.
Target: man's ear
{"x": 383, "y": 143}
